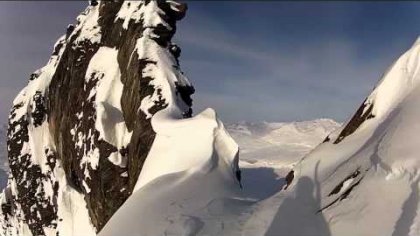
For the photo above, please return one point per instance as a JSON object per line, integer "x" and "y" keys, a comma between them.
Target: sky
{"x": 250, "y": 61}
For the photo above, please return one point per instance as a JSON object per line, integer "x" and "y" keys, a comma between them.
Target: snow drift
{"x": 184, "y": 175}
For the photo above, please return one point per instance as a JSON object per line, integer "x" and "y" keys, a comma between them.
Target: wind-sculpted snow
{"x": 183, "y": 176}
{"x": 368, "y": 177}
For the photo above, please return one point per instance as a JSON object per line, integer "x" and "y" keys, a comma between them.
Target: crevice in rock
{"x": 362, "y": 114}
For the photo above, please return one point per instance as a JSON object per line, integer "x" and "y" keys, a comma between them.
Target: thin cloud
{"x": 320, "y": 78}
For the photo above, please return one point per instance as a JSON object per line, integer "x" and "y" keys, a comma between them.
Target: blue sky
{"x": 254, "y": 61}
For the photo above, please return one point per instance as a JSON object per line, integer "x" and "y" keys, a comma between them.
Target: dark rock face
{"x": 64, "y": 107}
{"x": 38, "y": 109}
{"x": 341, "y": 184}
{"x": 37, "y": 210}
{"x": 362, "y": 114}
{"x": 289, "y": 178}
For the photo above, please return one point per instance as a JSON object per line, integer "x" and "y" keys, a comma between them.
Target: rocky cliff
{"x": 80, "y": 131}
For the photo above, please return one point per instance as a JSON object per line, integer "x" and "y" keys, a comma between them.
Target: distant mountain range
{"x": 279, "y": 144}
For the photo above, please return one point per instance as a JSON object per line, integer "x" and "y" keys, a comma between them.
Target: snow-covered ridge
{"x": 368, "y": 176}
{"x": 195, "y": 144}
{"x": 400, "y": 79}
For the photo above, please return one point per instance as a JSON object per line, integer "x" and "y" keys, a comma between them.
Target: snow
{"x": 109, "y": 119}
{"x": 279, "y": 144}
{"x": 176, "y": 202}
{"x": 71, "y": 206}
{"x": 383, "y": 198}
{"x": 72, "y": 210}
{"x": 153, "y": 15}
{"x": 4, "y": 162}
{"x": 368, "y": 184}
{"x": 187, "y": 145}
{"x": 137, "y": 10}
{"x": 173, "y": 4}
{"x": 165, "y": 77}
{"x": 129, "y": 11}
{"x": 192, "y": 198}
{"x": 162, "y": 72}
{"x": 106, "y": 96}
{"x": 87, "y": 26}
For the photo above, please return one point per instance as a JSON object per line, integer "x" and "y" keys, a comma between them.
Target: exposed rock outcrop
{"x": 81, "y": 130}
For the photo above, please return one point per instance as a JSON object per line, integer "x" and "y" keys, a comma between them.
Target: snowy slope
{"x": 365, "y": 180}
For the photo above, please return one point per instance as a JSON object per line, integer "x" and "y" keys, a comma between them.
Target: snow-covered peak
{"x": 417, "y": 41}
{"x": 402, "y": 77}
{"x": 397, "y": 83}
{"x": 367, "y": 168}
